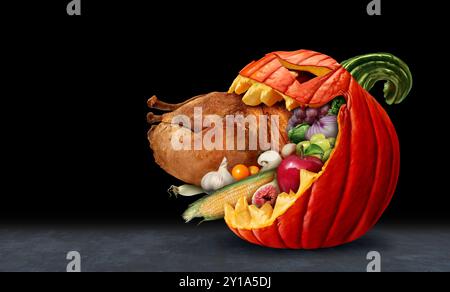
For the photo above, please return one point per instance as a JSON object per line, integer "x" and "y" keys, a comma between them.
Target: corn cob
{"x": 211, "y": 207}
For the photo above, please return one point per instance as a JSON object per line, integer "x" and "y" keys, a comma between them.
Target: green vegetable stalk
{"x": 336, "y": 105}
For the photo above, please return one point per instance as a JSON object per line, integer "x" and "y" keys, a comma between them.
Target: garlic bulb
{"x": 269, "y": 160}
{"x": 215, "y": 180}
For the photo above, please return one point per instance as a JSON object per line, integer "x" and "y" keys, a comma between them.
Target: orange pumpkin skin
{"x": 360, "y": 178}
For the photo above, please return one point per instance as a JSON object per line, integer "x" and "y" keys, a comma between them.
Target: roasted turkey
{"x": 191, "y": 165}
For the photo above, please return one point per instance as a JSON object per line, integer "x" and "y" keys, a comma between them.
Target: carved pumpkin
{"x": 347, "y": 197}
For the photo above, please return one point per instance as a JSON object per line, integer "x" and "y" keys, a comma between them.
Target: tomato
{"x": 253, "y": 169}
{"x": 240, "y": 171}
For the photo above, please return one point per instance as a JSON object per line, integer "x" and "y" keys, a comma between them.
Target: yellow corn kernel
{"x": 213, "y": 205}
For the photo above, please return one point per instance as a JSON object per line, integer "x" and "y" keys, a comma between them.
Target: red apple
{"x": 288, "y": 173}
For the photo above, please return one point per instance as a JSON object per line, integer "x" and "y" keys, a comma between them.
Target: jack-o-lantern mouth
{"x": 245, "y": 216}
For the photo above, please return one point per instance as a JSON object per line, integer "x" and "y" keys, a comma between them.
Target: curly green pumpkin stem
{"x": 371, "y": 68}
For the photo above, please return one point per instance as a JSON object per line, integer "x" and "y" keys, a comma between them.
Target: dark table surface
{"x": 212, "y": 247}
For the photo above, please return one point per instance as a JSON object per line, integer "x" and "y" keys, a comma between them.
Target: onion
{"x": 311, "y": 112}
{"x": 299, "y": 113}
{"x": 326, "y": 125}
{"x": 323, "y": 111}
{"x": 215, "y": 180}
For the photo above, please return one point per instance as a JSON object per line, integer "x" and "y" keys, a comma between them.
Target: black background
{"x": 74, "y": 98}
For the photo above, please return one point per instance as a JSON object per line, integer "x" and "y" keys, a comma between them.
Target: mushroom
{"x": 269, "y": 160}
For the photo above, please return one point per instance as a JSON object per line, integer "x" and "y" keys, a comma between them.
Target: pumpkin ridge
{"x": 317, "y": 61}
{"x": 249, "y": 236}
{"x": 298, "y": 62}
{"x": 291, "y": 222}
{"x": 277, "y": 222}
{"x": 277, "y": 225}
{"x": 324, "y": 57}
{"x": 289, "y": 54}
{"x": 256, "y": 65}
{"x": 396, "y": 160}
{"x": 304, "y": 215}
{"x": 343, "y": 189}
{"x": 378, "y": 161}
{"x": 344, "y": 76}
{"x": 367, "y": 220}
{"x": 325, "y": 78}
{"x": 270, "y": 75}
{"x": 236, "y": 232}
{"x": 253, "y": 233}
{"x": 313, "y": 89}
{"x": 394, "y": 143}
{"x": 267, "y": 74}
{"x": 378, "y": 139}
{"x": 335, "y": 233}
{"x": 269, "y": 235}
